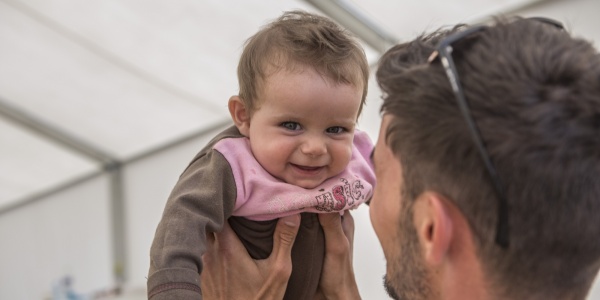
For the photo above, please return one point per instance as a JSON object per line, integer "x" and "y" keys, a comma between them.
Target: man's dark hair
{"x": 534, "y": 93}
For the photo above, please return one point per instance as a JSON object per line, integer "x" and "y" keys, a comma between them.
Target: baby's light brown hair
{"x": 300, "y": 39}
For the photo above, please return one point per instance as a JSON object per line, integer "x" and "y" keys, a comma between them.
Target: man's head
{"x": 299, "y": 40}
{"x": 534, "y": 94}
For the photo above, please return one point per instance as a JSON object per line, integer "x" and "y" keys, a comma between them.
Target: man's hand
{"x": 230, "y": 273}
{"x": 337, "y": 278}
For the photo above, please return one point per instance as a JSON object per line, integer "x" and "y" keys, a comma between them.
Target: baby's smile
{"x": 307, "y": 169}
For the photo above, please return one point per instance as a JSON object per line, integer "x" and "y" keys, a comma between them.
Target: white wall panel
{"x": 369, "y": 261}
{"x": 580, "y": 17}
{"x": 370, "y": 118}
{"x": 67, "y": 234}
{"x": 31, "y": 164}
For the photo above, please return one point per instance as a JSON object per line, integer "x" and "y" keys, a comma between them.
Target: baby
{"x": 294, "y": 149}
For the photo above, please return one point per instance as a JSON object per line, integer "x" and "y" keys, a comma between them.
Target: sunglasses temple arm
{"x": 502, "y": 228}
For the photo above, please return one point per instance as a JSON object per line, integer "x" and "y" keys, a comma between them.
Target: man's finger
{"x": 348, "y": 228}
{"x": 283, "y": 240}
{"x": 335, "y": 237}
{"x": 228, "y": 243}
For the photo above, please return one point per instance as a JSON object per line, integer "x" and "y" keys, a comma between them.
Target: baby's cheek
{"x": 343, "y": 156}
{"x": 348, "y": 151}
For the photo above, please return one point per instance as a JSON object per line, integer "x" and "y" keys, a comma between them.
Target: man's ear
{"x": 434, "y": 225}
{"x": 239, "y": 114}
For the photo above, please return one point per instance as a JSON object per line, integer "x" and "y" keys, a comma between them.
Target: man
{"x": 487, "y": 164}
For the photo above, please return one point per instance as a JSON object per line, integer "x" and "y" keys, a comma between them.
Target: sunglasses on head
{"x": 443, "y": 53}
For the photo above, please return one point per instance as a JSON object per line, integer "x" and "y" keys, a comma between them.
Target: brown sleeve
{"x": 201, "y": 201}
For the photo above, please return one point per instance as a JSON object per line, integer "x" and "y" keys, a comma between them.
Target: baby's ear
{"x": 239, "y": 114}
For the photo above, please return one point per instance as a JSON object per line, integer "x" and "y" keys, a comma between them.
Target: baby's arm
{"x": 201, "y": 201}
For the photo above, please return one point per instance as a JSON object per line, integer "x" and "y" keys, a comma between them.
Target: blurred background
{"x": 103, "y": 104}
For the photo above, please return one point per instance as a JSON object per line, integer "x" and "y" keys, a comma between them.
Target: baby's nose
{"x": 314, "y": 147}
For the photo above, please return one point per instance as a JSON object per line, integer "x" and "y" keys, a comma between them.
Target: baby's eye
{"x": 336, "y": 129}
{"x": 290, "y": 125}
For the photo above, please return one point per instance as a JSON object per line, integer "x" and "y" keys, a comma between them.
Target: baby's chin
{"x": 305, "y": 183}
{"x": 308, "y": 184}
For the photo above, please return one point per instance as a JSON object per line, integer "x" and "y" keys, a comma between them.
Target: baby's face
{"x": 303, "y": 127}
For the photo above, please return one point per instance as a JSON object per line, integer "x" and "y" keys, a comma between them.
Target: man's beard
{"x": 409, "y": 280}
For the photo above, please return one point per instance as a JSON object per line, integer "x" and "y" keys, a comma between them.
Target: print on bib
{"x": 341, "y": 196}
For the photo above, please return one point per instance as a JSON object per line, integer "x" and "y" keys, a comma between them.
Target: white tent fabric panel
{"x": 170, "y": 43}
{"x": 582, "y": 22}
{"x": 370, "y": 117}
{"x": 65, "y": 85}
{"x": 66, "y": 234}
{"x": 32, "y": 164}
{"x": 406, "y": 19}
